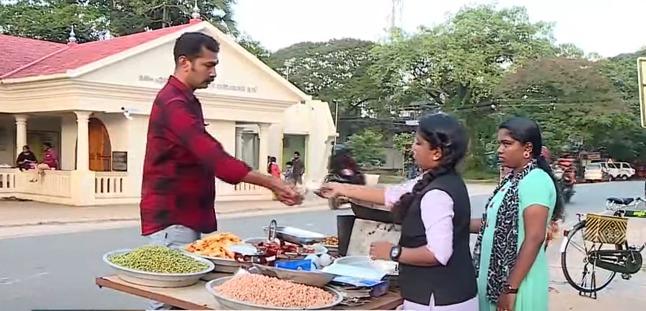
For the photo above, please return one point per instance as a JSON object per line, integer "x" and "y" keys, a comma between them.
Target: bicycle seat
{"x": 622, "y": 201}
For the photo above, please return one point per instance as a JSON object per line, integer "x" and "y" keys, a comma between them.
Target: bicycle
{"x": 609, "y": 251}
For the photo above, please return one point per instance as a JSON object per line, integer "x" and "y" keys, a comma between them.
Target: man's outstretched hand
{"x": 286, "y": 193}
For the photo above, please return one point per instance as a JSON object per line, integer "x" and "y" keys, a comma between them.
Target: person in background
{"x": 298, "y": 168}
{"x": 289, "y": 173}
{"x": 509, "y": 257}
{"x": 49, "y": 158}
{"x": 435, "y": 265}
{"x": 26, "y": 159}
{"x": 273, "y": 169}
{"x": 50, "y": 162}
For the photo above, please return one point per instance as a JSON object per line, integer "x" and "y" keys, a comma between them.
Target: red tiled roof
{"x": 60, "y": 57}
{"x": 17, "y": 51}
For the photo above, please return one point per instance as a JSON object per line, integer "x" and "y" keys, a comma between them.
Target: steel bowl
{"x": 232, "y": 304}
{"x": 222, "y": 264}
{"x": 297, "y": 235}
{"x": 155, "y": 279}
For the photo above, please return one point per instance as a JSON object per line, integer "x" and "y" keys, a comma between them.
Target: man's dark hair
{"x": 190, "y": 44}
{"x": 47, "y": 144}
{"x": 297, "y": 153}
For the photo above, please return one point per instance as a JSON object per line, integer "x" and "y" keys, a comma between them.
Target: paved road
{"x": 58, "y": 271}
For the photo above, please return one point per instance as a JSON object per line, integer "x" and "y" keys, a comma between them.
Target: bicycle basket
{"x": 605, "y": 229}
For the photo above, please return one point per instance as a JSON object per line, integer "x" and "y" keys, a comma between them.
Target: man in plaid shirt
{"x": 182, "y": 159}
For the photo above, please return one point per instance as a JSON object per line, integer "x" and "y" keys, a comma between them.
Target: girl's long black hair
{"x": 442, "y": 131}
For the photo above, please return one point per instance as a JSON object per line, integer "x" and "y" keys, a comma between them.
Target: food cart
{"x": 200, "y": 296}
{"x": 195, "y": 297}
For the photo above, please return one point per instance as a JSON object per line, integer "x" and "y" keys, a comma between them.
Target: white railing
{"x": 52, "y": 183}
{"x": 110, "y": 184}
{"x": 245, "y": 191}
{"x": 109, "y": 188}
{"x": 227, "y": 192}
{"x": 245, "y": 187}
{"x": 8, "y": 180}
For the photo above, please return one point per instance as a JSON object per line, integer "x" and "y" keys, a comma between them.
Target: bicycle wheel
{"x": 575, "y": 264}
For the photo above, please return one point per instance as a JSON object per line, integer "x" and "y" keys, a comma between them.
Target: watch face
{"x": 394, "y": 252}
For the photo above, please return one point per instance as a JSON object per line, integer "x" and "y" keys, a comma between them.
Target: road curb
{"x": 225, "y": 214}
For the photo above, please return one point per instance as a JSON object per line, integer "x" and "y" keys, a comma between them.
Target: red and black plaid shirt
{"x": 181, "y": 163}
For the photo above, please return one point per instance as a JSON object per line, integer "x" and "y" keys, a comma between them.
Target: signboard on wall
{"x": 241, "y": 88}
{"x": 120, "y": 161}
{"x": 641, "y": 73}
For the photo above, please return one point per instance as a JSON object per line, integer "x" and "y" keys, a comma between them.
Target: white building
{"x": 74, "y": 95}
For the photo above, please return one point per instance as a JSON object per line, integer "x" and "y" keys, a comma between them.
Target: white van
{"x": 619, "y": 170}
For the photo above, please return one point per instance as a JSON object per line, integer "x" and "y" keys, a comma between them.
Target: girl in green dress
{"x": 511, "y": 264}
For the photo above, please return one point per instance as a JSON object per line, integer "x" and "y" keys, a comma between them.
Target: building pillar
{"x": 83, "y": 181}
{"x": 263, "y": 148}
{"x": 83, "y": 141}
{"x": 21, "y": 132}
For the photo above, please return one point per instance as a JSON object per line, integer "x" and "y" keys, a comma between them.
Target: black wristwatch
{"x": 507, "y": 289}
{"x": 395, "y": 252}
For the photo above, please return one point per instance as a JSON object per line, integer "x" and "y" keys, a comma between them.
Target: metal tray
{"x": 232, "y": 304}
{"x": 297, "y": 236}
{"x": 154, "y": 279}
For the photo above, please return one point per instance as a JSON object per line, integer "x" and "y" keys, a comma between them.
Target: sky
{"x": 605, "y": 27}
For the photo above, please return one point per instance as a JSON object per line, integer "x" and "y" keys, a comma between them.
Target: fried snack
{"x": 215, "y": 245}
{"x": 331, "y": 241}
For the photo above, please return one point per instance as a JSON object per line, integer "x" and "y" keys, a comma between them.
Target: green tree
{"x": 569, "y": 97}
{"x": 403, "y": 142}
{"x": 622, "y": 72}
{"x": 92, "y": 19}
{"x": 569, "y": 50}
{"x": 457, "y": 65}
{"x": 51, "y": 19}
{"x": 336, "y": 72}
{"x": 622, "y": 135}
{"x": 367, "y": 147}
{"x": 132, "y": 16}
{"x": 254, "y": 47}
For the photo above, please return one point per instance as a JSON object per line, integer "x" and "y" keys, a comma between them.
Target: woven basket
{"x": 605, "y": 229}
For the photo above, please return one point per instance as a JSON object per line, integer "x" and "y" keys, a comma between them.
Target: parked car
{"x": 595, "y": 172}
{"x": 619, "y": 170}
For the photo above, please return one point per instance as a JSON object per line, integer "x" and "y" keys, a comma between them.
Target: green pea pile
{"x": 158, "y": 259}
